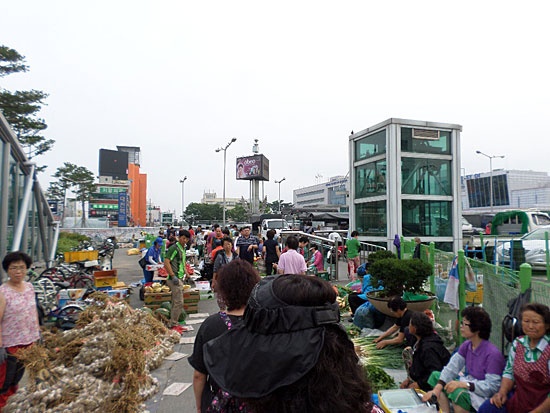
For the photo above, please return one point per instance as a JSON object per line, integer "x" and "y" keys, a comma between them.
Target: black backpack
{"x": 511, "y": 324}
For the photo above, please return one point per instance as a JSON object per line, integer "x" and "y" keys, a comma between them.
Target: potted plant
{"x": 399, "y": 277}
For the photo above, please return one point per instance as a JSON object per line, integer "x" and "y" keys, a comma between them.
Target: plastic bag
{"x": 366, "y": 316}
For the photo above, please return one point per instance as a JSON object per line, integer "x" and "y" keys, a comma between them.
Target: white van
{"x": 276, "y": 224}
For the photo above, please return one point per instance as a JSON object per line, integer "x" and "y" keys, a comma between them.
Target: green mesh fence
{"x": 540, "y": 292}
{"x": 496, "y": 295}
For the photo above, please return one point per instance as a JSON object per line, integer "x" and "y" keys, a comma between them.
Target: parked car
{"x": 534, "y": 245}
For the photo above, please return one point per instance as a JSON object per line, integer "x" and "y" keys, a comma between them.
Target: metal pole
{"x": 279, "y": 201}
{"x": 224, "y": 163}
{"x": 491, "y": 183}
{"x": 279, "y": 182}
{"x": 182, "y": 181}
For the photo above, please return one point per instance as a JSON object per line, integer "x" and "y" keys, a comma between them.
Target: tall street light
{"x": 224, "y": 163}
{"x": 182, "y": 182}
{"x": 279, "y": 182}
{"x": 491, "y": 173}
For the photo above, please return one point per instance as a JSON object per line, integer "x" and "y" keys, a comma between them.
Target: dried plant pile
{"x": 102, "y": 365}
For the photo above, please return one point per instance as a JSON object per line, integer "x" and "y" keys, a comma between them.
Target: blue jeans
{"x": 148, "y": 275}
{"x": 487, "y": 407}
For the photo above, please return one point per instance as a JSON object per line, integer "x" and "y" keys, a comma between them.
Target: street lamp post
{"x": 182, "y": 182}
{"x": 279, "y": 182}
{"x": 491, "y": 174}
{"x": 224, "y": 163}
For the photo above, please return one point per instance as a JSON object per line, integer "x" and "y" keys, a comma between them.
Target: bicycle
{"x": 69, "y": 273}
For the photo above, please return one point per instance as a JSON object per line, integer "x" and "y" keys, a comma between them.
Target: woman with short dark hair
{"x": 428, "y": 354}
{"x": 482, "y": 360}
{"x": 19, "y": 327}
{"x": 235, "y": 281}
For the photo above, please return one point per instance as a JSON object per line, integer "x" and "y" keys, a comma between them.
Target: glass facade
{"x": 439, "y": 146}
{"x": 425, "y": 176}
{"x": 371, "y": 218}
{"x": 479, "y": 190}
{"x": 370, "y": 146}
{"x": 370, "y": 179}
{"x": 427, "y": 218}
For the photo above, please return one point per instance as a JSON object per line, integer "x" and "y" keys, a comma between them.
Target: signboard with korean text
{"x": 122, "y": 209}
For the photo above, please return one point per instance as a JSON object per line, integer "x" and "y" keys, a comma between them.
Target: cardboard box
{"x": 71, "y": 294}
{"x": 191, "y": 308}
{"x": 105, "y": 278}
{"x": 203, "y": 285}
{"x": 157, "y": 298}
{"x": 150, "y": 267}
{"x": 191, "y": 296}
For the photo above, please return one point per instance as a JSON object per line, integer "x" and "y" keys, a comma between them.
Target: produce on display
{"x": 102, "y": 365}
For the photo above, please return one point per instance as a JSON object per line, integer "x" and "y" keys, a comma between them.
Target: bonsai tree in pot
{"x": 397, "y": 276}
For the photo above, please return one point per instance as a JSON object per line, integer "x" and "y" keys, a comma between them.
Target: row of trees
{"x": 240, "y": 213}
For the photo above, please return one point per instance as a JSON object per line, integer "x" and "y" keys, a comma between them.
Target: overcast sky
{"x": 181, "y": 78}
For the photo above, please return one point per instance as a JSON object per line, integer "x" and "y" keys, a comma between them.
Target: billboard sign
{"x": 254, "y": 167}
{"x": 122, "y": 209}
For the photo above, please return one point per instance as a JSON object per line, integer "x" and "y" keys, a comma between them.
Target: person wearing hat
{"x": 236, "y": 280}
{"x": 290, "y": 353}
{"x": 152, "y": 257}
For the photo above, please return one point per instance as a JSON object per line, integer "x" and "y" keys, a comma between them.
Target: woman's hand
{"x": 455, "y": 384}
{"x": 499, "y": 399}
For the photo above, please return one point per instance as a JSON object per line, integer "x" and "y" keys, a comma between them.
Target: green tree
{"x": 79, "y": 179}
{"x": 20, "y": 108}
{"x": 204, "y": 212}
{"x": 238, "y": 213}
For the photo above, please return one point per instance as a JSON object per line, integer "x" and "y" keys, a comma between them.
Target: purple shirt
{"x": 486, "y": 359}
{"x": 291, "y": 262}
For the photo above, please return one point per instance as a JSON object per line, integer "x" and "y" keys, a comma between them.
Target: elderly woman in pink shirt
{"x": 18, "y": 321}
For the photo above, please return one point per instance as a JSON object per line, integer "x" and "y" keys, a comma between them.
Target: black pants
{"x": 355, "y": 302}
{"x": 269, "y": 267}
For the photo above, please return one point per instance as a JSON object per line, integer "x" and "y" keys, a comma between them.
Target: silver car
{"x": 535, "y": 248}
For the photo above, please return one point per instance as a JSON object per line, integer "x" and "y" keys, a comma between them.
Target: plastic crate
{"x": 105, "y": 278}
{"x": 75, "y": 256}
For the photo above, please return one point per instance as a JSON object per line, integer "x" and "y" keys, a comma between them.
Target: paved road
{"x": 170, "y": 371}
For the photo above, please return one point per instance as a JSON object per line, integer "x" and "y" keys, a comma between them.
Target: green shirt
{"x": 353, "y": 246}
{"x": 177, "y": 257}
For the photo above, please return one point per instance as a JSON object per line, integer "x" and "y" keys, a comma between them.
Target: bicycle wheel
{"x": 53, "y": 274}
{"x": 83, "y": 280}
{"x": 66, "y": 317}
{"x": 46, "y": 293}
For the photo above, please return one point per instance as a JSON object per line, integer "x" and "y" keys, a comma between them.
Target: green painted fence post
{"x": 525, "y": 272}
{"x": 461, "y": 290}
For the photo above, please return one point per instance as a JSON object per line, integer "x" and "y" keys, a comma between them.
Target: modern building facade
{"x": 334, "y": 193}
{"x": 512, "y": 189}
{"x": 109, "y": 198}
{"x": 26, "y": 222}
{"x": 405, "y": 181}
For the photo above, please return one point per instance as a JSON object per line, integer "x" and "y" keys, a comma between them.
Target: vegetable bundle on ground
{"x": 102, "y": 365}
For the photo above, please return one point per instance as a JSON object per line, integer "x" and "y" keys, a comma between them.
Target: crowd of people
{"x": 277, "y": 344}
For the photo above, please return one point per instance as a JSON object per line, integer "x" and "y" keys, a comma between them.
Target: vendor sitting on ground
{"x": 398, "y": 307}
{"x": 426, "y": 356}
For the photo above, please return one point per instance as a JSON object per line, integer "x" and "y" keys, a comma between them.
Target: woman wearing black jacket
{"x": 427, "y": 355}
